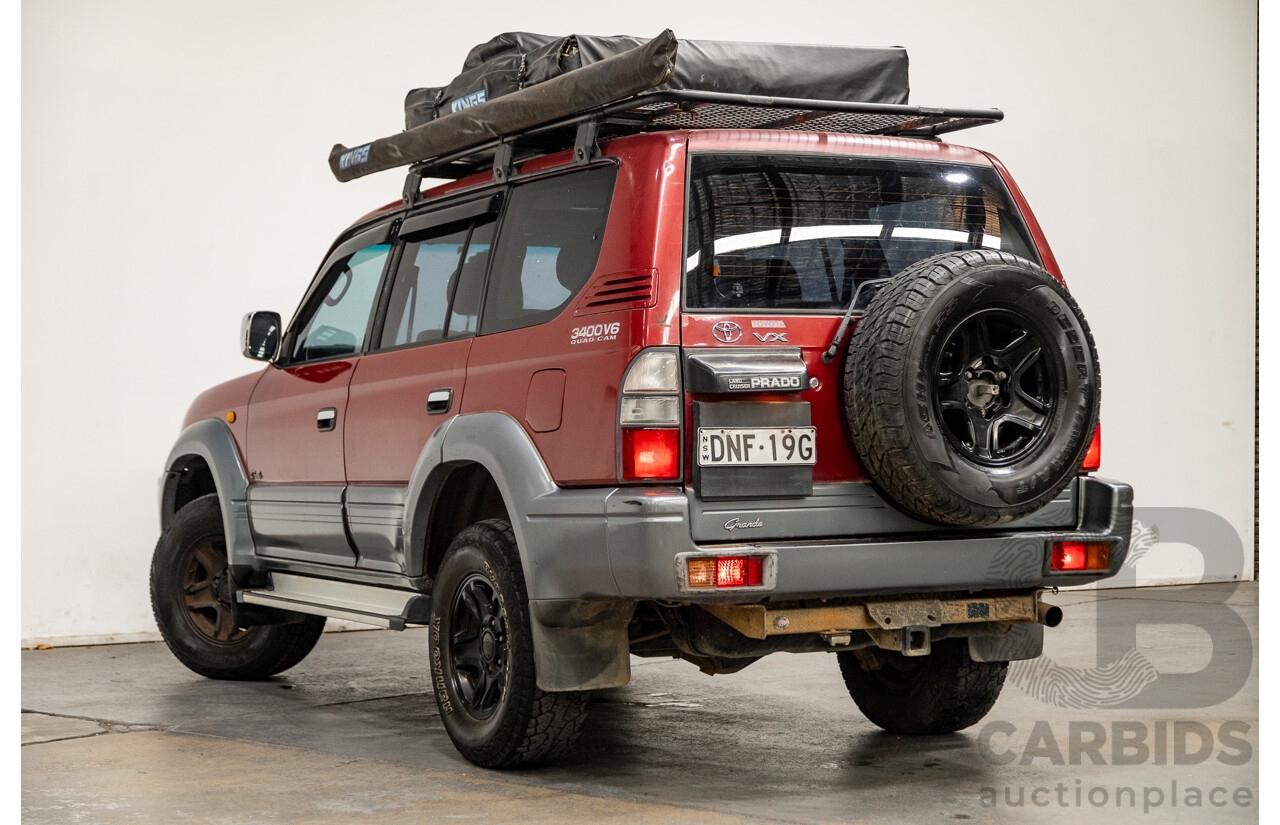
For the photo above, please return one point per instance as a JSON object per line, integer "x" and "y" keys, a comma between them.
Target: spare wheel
{"x": 972, "y": 388}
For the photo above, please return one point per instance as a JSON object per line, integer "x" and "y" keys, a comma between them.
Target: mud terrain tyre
{"x": 971, "y": 388}
{"x": 191, "y": 602}
{"x": 942, "y": 692}
{"x": 482, "y": 665}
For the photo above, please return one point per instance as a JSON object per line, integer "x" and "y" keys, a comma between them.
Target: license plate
{"x": 755, "y": 446}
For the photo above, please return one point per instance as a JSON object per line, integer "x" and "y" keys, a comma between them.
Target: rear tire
{"x": 191, "y": 602}
{"x": 482, "y": 665}
{"x": 942, "y": 692}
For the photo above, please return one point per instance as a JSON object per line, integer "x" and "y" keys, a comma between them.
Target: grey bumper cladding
{"x": 645, "y": 530}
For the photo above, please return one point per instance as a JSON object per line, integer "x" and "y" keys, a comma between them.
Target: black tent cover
{"x": 518, "y": 81}
{"x": 516, "y": 60}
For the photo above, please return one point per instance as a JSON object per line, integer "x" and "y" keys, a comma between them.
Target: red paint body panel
{"x": 645, "y": 232}
{"x": 387, "y": 420}
{"x": 229, "y": 396}
{"x": 544, "y": 407}
{"x": 812, "y": 333}
{"x": 1033, "y": 225}
{"x": 284, "y": 445}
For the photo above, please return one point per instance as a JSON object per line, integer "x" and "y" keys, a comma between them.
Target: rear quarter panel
{"x": 644, "y": 231}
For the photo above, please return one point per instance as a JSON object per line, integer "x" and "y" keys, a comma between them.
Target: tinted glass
{"x": 464, "y": 309}
{"x": 339, "y": 320}
{"x": 436, "y": 294}
{"x": 790, "y": 233}
{"x": 548, "y": 247}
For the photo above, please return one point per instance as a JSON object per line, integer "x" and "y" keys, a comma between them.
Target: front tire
{"x": 191, "y": 601}
{"x": 482, "y": 658}
{"x": 942, "y": 692}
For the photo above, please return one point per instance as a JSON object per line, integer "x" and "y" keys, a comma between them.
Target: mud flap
{"x": 1023, "y": 641}
{"x": 580, "y": 645}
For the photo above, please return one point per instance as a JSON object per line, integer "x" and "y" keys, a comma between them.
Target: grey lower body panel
{"x": 304, "y": 523}
{"x": 642, "y": 531}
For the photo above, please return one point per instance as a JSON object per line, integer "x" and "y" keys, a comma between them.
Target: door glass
{"x": 464, "y": 311}
{"x": 339, "y": 320}
{"x": 437, "y": 289}
{"x": 420, "y": 297}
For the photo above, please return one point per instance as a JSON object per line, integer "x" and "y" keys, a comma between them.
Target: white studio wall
{"x": 175, "y": 177}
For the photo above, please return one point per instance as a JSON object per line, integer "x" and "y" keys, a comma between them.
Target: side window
{"x": 339, "y": 320}
{"x": 548, "y": 247}
{"x": 436, "y": 294}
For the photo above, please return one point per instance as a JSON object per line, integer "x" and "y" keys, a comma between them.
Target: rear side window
{"x": 803, "y": 233}
{"x": 547, "y": 248}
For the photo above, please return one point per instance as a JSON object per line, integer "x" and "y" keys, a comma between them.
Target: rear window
{"x": 789, "y": 233}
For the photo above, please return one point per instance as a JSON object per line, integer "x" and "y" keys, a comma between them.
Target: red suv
{"x": 601, "y": 401}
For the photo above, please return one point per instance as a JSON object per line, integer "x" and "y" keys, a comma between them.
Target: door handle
{"x": 439, "y": 401}
{"x": 327, "y": 419}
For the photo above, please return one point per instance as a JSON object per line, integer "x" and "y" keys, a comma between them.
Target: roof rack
{"x": 689, "y": 109}
{"x": 624, "y": 94}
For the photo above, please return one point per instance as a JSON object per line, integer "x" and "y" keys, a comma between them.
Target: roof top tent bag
{"x": 516, "y": 60}
{"x": 540, "y": 90}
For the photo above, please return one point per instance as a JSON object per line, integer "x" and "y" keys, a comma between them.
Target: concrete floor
{"x": 124, "y": 734}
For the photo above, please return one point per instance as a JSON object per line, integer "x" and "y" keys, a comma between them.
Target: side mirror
{"x": 260, "y": 335}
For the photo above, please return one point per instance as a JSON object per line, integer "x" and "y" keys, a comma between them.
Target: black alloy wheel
{"x": 995, "y": 387}
{"x": 478, "y": 646}
{"x": 482, "y": 658}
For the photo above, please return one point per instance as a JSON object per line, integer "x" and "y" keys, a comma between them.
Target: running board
{"x": 379, "y": 606}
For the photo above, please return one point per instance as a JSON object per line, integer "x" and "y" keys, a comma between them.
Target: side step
{"x": 379, "y": 606}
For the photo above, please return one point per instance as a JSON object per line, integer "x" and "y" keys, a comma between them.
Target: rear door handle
{"x": 439, "y": 401}
{"x": 327, "y": 419}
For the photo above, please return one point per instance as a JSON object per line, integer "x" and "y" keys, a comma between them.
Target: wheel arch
{"x": 205, "y": 459}
{"x": 476, "y": 463}
{"x": 484, "y": 465}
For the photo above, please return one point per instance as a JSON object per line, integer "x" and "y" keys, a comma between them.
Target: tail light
{"x": 1093, "y": 458}
{"x": 649, "y": 413}
{"x": 725, "y": 571}
{"x": 1080, "y": 555}
{"x": 650, "y": 454}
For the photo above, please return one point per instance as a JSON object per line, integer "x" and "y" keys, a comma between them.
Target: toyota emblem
{"x": 727, "y": 331}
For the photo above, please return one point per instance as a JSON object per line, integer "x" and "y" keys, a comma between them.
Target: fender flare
{"x": 498, "y": 443}
{"x": 561, "y": 535}
{"x": 211, "y": 440}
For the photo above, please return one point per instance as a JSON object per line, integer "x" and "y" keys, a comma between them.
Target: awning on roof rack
{"x": 618, "y": 94}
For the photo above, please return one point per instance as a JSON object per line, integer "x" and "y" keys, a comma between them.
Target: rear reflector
{"x": 725, "y": 571}
{"x": 1081, "y": 555}
{"x": 650, "y": 454}
{"x": 1093, "y": 458}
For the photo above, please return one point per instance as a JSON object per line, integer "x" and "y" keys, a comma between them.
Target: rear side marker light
{"x": 650, "y": 454}
{"x": 1093, "y": 458}
{"x": 725, "y": 571}
{"x": 1081, "y": 555}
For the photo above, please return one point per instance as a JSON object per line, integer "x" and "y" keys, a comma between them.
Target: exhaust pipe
{"x": 1049, "y": 615}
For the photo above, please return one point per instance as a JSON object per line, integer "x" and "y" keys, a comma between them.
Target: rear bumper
{"x": 647, "y": 535}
